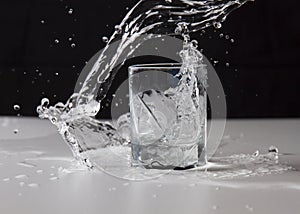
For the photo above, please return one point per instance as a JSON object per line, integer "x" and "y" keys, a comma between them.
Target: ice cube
{"x": 155, "y": 114}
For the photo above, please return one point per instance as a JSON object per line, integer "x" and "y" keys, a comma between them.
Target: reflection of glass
{"x": 168, "y": 116}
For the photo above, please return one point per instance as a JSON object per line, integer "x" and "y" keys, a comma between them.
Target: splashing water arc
{"x": 152, "y": 18}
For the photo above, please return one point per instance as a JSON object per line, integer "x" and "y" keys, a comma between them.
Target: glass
{"x": 168, "y": 124}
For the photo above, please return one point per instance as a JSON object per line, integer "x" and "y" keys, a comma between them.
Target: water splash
{"x": 75, "y": 119}
{"x": 101, "y": 142}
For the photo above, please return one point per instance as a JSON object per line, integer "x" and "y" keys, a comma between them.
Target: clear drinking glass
{"x": 168, "y": 122}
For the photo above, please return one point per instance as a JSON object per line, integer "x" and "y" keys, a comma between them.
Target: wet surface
{"x": 38, "y": 175}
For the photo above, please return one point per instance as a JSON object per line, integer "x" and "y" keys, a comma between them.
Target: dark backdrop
{"x": 261, "y": 81}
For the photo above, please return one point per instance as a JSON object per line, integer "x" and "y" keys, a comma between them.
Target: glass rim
{"x": 167, "y": 65}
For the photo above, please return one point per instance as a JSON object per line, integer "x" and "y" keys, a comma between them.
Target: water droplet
{"x": 227, "y": 64}
{"x": 56, "y": 74}
{"x": 33, "y": 185}
{"x": 42, "y": 21}
{"x": 221, "y": 35}
{"x": 256, "y": 153}
{"x": 232, "y": 40}
{"x": 39, "y": 171}
{"x": 70, "y": 11}
{"x": 56, "y": 41}
{"x": 19, "y": 194}
{"x": 25, "y": 164}
{"x": 16, "y": 131}
{"x": 226, "y": 37}
{"x": 21, "y": 176}
{"x": 217, "y": 188}
{"x": 214, "y": 207}
{"x": 159, "y": 185}
{"x": 125, "y": 184}
{"x": 118, "y": 29}
{"x": 217, "y": 25}
{"x": 273, "y": 149}
{"x": 22, "y": 184}
{"x": 226, "y": 52}
{"x": 112, "y": 189}
{"x": 16, "y": 107}
{"x": 73, "y": 45}
{"x": 6, "y": 179}
{"x": 105, "y": 39}
{"x": 53, "y": 178}
{"x": 249, "y": 208}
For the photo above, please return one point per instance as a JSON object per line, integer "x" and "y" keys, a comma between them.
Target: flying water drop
{"x": 16, "y": 107}
{"x": 105, "y": 39}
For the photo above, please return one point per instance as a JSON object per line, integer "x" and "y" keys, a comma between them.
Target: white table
{"x": 31, "y": 182}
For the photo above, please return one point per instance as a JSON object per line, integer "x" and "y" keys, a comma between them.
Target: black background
{"x": 261, "y": 81}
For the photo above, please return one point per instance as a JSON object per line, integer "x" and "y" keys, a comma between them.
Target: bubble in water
{"x": 56, "y": 41}
{"x": 125, "y": 184}
{"x": 73, "y": 45}
{"x": 226, "y": 37}
{"x": 221, "y": 35}
{"x": 70, "y": 11}
{"x": 16, "y": 131}
{"x": 217, "y": 25}
{"x": 154, "y": 196}
{"x": 70, "y": 38}
{"x": 42, "y": 21}
{"x": 273, "y": 149}
{"x": 105, "y": 39}
{"x": 6, "y": 179}
{"x": 16, "y": 107}
{"x": 232, "y": 40}
{"x": 217, "y": 188}
{"x": 22, "y": 184}
{"x": 227, "y": 64}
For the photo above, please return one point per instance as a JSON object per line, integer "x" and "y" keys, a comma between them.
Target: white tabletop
{"x": 32, "y": 179}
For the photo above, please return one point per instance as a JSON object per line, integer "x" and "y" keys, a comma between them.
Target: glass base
{"x": 179, "y": 157}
